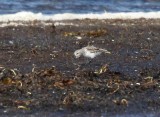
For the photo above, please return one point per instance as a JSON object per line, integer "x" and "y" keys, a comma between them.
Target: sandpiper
{"x": 90, "y": 52}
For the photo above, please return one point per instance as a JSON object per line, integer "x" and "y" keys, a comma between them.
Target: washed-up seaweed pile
{"x": 85, "y": 90}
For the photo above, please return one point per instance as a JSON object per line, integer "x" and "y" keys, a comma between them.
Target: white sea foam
{"x": 29, "y": 16}
{"x": 21, "y": 18}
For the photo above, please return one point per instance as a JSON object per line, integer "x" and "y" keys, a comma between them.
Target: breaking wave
{"x": 30, "y": 16}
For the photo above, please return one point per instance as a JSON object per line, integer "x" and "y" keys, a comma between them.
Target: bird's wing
{"x": 92, "y": 49}
{"x": 106, "y": 51}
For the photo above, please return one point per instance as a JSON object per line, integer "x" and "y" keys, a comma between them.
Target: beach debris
{"x": 64, "y": 83}
{"x": 11, "y": 42}
{"x": 148, "y": 82}
{"x": 33, "y": 67}
{"x": 138, "y": 83}
{"x": 78, "y": 37}
{"x": 29, "y": 93}
{"x": 124, "y": 102}
{"x": 23, "y": 102}
{"x": 5, "y": 111}
{"x": 13, "y": 71}
{"x": 54, "y": 54}
{"x": 23, "y": 107}
{"x": 34, "y": 51}
{"x": 85, "y": 87}
{"x": 96, "y": 33}
{"x": 149, "y": 78}
{"x": 7, "y": 72}
{"x": 149, "y": 38}
{"x": 92, "y": 33}
{"x": 103, "y": 69}
{"x": 66, "y": 34}
{"x": 7, "y": 81}
{"x": 121, "y": 102}
{"x": 68, "y": 100}
{"x": 114, "y": 87}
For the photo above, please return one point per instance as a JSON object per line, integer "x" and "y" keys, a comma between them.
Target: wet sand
{"x": 39, "y": 73}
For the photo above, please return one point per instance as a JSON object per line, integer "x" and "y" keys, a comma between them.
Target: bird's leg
{"x": 89, "y": 61}
{"x": 79, "y": 66}
{"x": 85, "y": 63}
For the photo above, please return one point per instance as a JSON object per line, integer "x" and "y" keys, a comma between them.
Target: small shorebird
{"x": 90, "y": 52}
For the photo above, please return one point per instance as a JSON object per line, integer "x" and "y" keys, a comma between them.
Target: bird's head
{"x": 77, "y": 53}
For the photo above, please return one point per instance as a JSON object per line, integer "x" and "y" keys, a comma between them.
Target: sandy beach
{"x": 39, "y": 73}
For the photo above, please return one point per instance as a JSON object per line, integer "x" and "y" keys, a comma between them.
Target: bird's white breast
{"x": 90, "y": 54}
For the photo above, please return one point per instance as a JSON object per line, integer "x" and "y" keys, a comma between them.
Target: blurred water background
{"x": 78, "y": 6}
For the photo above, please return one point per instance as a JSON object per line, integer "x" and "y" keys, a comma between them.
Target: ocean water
{"x": 29, "y": 10}
{"x": 78, "y": 6}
